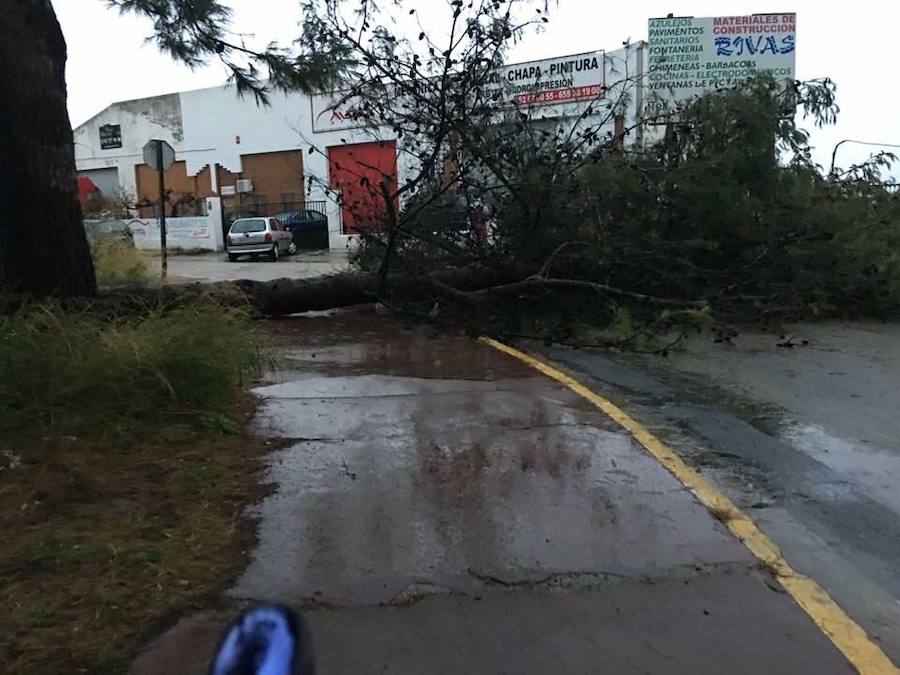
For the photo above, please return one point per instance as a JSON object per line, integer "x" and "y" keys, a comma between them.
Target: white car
{"x": 258, "y": 236}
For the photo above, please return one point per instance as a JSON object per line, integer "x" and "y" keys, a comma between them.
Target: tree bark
{"x": 43, "y": 247}
{"x": 469, "y": 287}
{"x": 292, "y": 296}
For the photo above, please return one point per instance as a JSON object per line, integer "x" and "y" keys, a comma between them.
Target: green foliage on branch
{"x": 722, "y": 205}
{"x": 729, "y": 207}
{"x": 196, "y": 31}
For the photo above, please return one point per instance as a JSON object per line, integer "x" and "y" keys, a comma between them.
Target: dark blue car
{"x": 309, "y": 227}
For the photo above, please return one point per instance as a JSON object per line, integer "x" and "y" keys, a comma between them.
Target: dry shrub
{"x": 117, "y": 262}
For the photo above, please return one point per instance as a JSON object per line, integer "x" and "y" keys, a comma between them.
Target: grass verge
{"x": 123, "y": 476}
{"x": 74, "y": 374}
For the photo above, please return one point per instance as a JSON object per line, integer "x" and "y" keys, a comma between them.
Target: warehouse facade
{"x": 246, "y": 159}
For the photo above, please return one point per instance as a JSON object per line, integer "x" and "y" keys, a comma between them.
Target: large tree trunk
{"x": 290, "y": 296}
{"x": 43, "y": 247}
{"x": 471, "y": 288}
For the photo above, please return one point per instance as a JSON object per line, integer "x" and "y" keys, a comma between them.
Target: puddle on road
{"x": 317, "y": 386}
{"x": 362, "y": 343}
{"x": 875, "y": 468}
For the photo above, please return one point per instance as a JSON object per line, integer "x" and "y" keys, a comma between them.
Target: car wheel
{"x": 275, "y": 253}
{"x": 232, "y": 257}
{"x": 292, "y": 249}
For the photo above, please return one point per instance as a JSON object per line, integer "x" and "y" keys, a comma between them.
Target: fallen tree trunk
{"x": 289, "y": 296}
{"x": 292, "y": 296}
{"x": 465, "y": 287}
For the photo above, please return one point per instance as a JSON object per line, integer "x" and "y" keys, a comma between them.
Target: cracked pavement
{"x": 440, "y": 508}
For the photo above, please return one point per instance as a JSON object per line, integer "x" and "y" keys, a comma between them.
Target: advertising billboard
{"x": 565, "y": 79}
{"x": 688, "y": 56}
{"x": 549, "y": 82}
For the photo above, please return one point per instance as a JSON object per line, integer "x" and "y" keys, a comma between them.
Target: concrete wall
{"x": 214, "y": 218}
{"x": 184, "y": 233}
{"x": 201, "y": 232}
{"x": 219, "y": 126}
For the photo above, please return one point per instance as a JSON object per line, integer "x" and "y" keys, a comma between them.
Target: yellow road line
{"x": 845, "y": 633}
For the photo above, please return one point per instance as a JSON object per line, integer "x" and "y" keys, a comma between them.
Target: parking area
{"x": 215, "y": 267}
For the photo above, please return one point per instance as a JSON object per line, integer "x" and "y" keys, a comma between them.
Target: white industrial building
{"x": 235, "y": 155}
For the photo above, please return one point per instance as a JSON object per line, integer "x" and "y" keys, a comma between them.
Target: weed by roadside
{"x": 123, "y": 476}
{"x": 117, "y": 262}
{"x": 72, "y": 374}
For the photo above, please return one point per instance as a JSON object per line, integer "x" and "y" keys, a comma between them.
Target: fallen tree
{"x": 726, "y": 211}
{"x": 465, "y": 287}
{"x": 285, "y": 296}
{"x": 707, "y": 223}
{"x": 290, "y": 296}
{"x": 509, "y": 220}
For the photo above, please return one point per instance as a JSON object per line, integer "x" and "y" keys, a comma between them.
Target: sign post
{"x": 160, "y": 156}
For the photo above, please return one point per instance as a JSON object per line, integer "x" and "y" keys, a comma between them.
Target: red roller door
{"x": 358, "y": 170}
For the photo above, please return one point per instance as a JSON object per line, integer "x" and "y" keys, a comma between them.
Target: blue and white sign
{"x": 688, "y": 56}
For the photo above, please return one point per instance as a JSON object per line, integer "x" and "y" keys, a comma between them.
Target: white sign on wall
{"x": 688, "y": 56}
{"x": 190, "y": 227}
{"x": 565, "y": 79}
{"x": 557, "y": 81}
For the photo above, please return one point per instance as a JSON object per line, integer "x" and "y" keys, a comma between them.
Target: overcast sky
{"x": 853, "y": 43}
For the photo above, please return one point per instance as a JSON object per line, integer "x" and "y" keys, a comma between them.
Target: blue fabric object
{"x": 263, "y": 640}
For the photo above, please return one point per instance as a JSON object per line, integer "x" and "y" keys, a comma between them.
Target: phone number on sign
{"x": 560, "y": 95}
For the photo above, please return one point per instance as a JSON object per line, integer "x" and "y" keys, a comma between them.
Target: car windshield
{"x": 249, "y": 225}
{"x": 288, "y": 216}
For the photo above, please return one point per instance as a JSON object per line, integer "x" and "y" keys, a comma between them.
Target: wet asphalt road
{"x": 216, "y": 267}
{"x": 805, "y": 439}
{"x": 440, "y": 508}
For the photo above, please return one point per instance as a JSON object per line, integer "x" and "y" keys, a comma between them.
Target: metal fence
{"x": 271, "y": 209}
